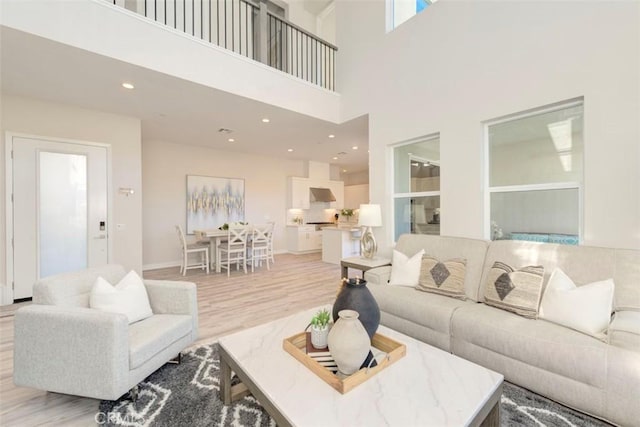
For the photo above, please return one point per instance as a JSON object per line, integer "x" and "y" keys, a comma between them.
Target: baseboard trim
{"x": 161, "y": 265}
{"x": 169, "y": 264}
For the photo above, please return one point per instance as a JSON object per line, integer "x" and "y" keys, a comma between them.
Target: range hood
{"x": 321, "y": 195}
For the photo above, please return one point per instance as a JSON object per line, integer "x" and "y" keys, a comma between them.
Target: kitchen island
{"x": 339, "y": 242}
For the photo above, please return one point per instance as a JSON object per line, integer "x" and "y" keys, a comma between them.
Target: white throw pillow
{"x": 405, "y": 271}
{"x": 128, "y": 297}
{"x": 585, "y": 308}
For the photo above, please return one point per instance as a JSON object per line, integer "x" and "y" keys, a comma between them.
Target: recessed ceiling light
{"x": 355, "y": 147}
{"x": 265, "y": 120}
{"x": 332, "y": 136}
{"x": 290, "y": 150}
{"x": 231, "y": 140}
{"x": 127, "y": 85}
{"x": 344, "y": 170}
{"x": 335, "y": 158}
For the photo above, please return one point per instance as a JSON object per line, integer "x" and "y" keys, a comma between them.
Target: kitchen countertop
{"x": 341, "y": 228}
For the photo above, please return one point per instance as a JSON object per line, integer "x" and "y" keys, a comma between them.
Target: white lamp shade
{"x": 370, "y": 216}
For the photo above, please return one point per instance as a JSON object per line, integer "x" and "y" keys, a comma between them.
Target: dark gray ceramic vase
{"x": 356, "y": 296}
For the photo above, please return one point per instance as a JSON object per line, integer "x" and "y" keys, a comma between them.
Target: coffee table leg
{"x": 225, "y": 380}
{"x": 493, "y": 418}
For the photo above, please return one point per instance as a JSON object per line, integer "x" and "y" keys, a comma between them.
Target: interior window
{"x": 535, "y": 175}
{"x": 417, "y": 186}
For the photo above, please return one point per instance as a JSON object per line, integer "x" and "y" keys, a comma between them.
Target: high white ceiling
{"x": 172, "y": 109}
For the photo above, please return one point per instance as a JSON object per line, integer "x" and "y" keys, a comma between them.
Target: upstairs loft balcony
{"x": 248, "y": 29}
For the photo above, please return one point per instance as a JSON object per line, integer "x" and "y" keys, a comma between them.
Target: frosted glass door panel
{"x": 62, "y": 212}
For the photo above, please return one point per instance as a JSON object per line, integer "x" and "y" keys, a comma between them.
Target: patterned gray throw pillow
{"x": 444, "y": 278}
{"x": 514, "y": 290}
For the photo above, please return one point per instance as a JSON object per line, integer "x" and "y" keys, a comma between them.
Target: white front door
{"x": 59, "y": 209}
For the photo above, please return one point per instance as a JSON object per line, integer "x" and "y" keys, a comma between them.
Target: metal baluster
{"x": 246, "y": 28}
{"x": 233, "y": 27}
{"x": 333, "y": 75}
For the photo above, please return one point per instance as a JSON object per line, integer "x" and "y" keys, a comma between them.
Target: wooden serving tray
{"x": 296, "y": 346}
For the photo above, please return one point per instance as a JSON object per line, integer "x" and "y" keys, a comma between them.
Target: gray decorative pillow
{"x": 444, "y": 278}
{"x": 518, "y": 291}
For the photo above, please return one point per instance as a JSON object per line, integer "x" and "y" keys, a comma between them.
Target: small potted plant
{"x": 320, "y": 328}
{"x": 348, "y": 213}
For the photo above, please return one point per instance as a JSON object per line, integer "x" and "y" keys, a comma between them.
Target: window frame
{"x": 402, "y": 195}
{"x": 562, "y": 185}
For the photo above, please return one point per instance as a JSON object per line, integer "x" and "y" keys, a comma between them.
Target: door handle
{"x": 102, "y": 236}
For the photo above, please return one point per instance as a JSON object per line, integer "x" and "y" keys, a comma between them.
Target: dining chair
{"x": 195, "y": 248}
{"x": 272, "y": 224}
{"x": 234, "y": 249}
{"x": 259, "y": 248}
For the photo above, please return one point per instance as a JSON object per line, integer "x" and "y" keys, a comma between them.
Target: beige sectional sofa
{"x": 596, "y": 377}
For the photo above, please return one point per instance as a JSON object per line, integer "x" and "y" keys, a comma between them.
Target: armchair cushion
{"x": 73, "y": 289}
{"x": 150, "y": 336}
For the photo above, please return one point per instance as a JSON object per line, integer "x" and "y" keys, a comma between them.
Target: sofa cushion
{"x": 405, "y": 271}
{"x": 443, "y": 247}
{"x": 150, "y": 336}
{"x": 73, "y": 289}
{"x": 515, "y": 290}
{"x": 624, "y": 330}
{"x": 128, "y": 297}
{"x": 539, "y": 343}
{"x": 443, "y": 277}
{"x": 585, "y": 308}
{"x": 425, "y": 309}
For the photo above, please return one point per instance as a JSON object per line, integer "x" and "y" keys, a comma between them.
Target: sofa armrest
{"x": 624, "y": 330}
{"x": 174, "y": 297}
{"x": 72, "y": 350}
{"x": 378, "y": 275}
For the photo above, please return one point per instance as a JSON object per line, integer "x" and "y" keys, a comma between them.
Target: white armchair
{"x": 62, "y": 345}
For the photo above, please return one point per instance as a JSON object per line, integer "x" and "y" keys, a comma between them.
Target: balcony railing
{"x": 247, "y": 29}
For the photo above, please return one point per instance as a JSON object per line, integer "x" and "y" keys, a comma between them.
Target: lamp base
{"x": 368, "y": 245}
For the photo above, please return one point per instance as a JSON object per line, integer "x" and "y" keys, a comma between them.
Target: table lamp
{"x": 369, "y": 216}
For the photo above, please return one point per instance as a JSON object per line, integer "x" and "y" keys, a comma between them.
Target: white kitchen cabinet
{"x": 303, "y": 238}
{"x": 298, "y": 193}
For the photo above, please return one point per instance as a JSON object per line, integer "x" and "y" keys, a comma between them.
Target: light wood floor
{"x": 295, "y": 283}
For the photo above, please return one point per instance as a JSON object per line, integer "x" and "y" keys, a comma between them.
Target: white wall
{"x": 39, "y": 118}
{"x": 300, "y": 16}
{"x": 355, "y": 195}
{"x": 165, "y": 168}
{"x": 97, "y": 26}
{"x": 327, "y": 23}
{"x": 460, "y": 63}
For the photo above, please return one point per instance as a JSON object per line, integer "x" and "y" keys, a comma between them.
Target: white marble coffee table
{"x": 427, "y": 387}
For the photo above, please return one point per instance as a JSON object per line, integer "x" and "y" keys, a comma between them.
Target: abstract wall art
{"x": 213, "y": 201}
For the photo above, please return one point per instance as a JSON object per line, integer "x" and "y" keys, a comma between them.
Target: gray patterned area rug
{"x": 187, "y": 395}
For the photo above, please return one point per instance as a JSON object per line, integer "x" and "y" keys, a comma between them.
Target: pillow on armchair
{"x": 128, "y": 297}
